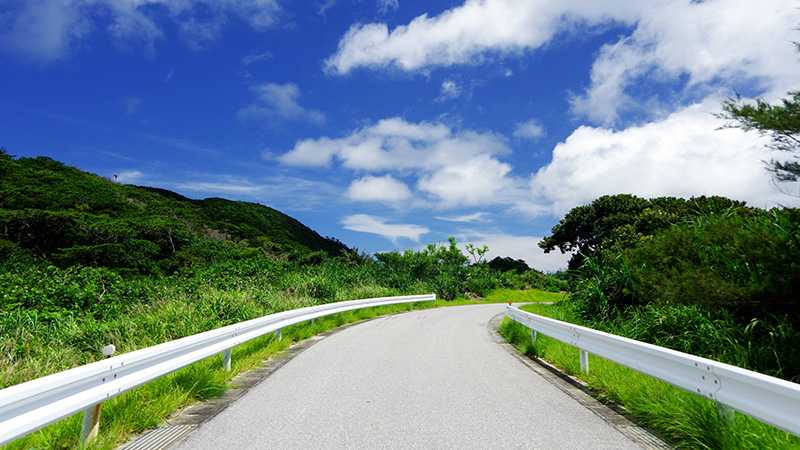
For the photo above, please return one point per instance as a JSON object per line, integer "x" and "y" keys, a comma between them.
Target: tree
{"x": 477, "y": 253}
{"x": 780, "y": 122}
{"x": 508, "y": 264}
{"x": 621, "y": 220}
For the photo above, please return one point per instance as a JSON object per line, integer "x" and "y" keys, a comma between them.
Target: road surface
{"x": 425, "y": 379}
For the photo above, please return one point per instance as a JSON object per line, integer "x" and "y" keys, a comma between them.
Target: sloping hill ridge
{"x": 70, "y": 216}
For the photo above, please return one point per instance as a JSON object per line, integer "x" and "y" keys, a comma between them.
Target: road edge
{"x": 182, "y": 422}
{"x": 577, "y": 389}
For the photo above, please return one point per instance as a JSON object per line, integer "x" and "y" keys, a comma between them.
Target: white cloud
{"x": 454, "y": 167}
{"x": 279, "y": 191}
{"x": 256, "y": 57}
{"x": 279, "y": 100}
{"x": 128, "y": 176}
{"x": 378, "y": 189}
{"x": 49, "y": 30}
{"x": 529, "y": 129}
{"x": 467, "y": 33}
{"x": 466, "y": 218}
{"x": 478, "y": 181}
{"x": 325, "y": 6}
{"x": 395, "y": 144}
{"x": 42, "y": 31}
{"x": 387, "y": 6}
{"x": 518, "y": 247}
{"x": 220, "y": 187}
{"x": 365, "y": 223}
{"x": 703, "y": 41}
{"x": 449, "y": 90}
{"x": 708, "y": 42}
{"x": 683, "y": 155}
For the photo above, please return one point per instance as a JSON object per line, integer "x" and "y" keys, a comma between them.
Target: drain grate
{"x": 160, "y": 438}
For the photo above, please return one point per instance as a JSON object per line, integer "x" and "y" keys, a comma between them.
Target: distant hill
{"x": 70, "y": 216}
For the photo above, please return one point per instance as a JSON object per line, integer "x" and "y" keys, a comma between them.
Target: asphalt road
{"x": 424, "y": 379}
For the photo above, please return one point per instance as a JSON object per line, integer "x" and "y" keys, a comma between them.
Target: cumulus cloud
{"x": 455, "y": 167}
{"x": 49, "y": 30}
{"x": 279, "y": 100}
{"x": 467, "y": 33}
{"x": 365, "y": 223}
{"x": 395, "y": 144}
{"x": 518, "y": 247}
{"x": 478, "y": 181}
{"x": 671, "y": 39}
{"x": 683, "y": 155}
{"x": 530, "y": 129}
{"x": 385, "y": 189}
{"x": 702, "y": 41}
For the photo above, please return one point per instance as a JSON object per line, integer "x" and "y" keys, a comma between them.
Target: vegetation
{"x": 707, "y": 276}
{"x": 613, "y": 222}
{"x": 85, "y": 262}
{"x": 683, "y": 419}
{"x": 711, "y": 277}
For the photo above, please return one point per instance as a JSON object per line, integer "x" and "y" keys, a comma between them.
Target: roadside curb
{"x": 184, "y": 421}
{"x": 610, "y": 412}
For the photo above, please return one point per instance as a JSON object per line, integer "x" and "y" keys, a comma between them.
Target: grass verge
{"x": 525, "y": 295}
{"x": 148, "y": 406}
{"x": 683, "y": 419}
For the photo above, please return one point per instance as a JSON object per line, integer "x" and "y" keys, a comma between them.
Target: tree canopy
{"x": 621, "y": 220}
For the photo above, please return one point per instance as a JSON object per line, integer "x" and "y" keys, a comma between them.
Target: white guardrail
{"x": 28, "y": 406}
{"x": 766, "y": 398}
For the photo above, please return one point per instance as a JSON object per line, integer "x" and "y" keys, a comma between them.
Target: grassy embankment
{"x": 685, "y": 420}
{"x": 149, "y": 405}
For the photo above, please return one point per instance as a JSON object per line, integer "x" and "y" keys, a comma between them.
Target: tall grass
{"x": 149, "y": 405}
{"x": 683, "y": 419}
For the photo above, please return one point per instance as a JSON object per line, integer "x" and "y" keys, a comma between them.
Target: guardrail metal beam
{"x": 29, "y": 406}
{"x": 769, "y": 399}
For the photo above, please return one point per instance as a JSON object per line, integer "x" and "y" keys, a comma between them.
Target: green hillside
{"x": 73, "y": 217}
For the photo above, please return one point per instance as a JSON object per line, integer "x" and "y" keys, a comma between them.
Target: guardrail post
{"x": 278, "y": 336}
{"x": 91, "y": 415}
{"x": 226, "y": 360}
{"x": 585, "y": 362}
{"x": 533, "y": 336}
{"x": 91, "y": 423}
{"x": 726, "y": 414}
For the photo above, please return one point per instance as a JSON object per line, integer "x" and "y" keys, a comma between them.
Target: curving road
{"x": 424, "y": 379}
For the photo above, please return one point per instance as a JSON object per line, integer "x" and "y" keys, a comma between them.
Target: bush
{"x": 719, "y": 285}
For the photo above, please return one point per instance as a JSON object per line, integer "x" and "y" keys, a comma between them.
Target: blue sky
{"x": 391, "y": 124}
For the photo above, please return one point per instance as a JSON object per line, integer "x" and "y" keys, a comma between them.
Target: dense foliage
{"x": 85, "y": 261}
{"x": 73, "y": 217}
{"x": 712, "y": 277}
{"x": 618, "y": 221}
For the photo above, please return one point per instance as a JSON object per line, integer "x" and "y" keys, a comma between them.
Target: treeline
{"x": 708, "y": 276}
